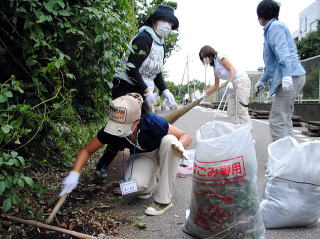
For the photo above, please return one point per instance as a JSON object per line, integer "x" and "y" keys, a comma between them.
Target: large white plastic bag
{"x": 292, "y": 192}
{"x": 224, "y": 200}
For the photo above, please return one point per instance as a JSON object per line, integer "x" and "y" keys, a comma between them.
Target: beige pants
{"x": 282, "y": 109}
{"x": 241, "y": 93}
{"x": 155, "y": 172}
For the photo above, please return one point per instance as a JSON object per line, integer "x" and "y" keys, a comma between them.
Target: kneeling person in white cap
{"x": 150, "y": 138}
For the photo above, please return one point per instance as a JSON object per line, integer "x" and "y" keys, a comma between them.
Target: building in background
{"x": 308, "y": 20}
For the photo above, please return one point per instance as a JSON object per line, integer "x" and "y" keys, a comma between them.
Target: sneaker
{"x": 144, "y": 196}
{"x": 100, "y": 176}
{"x": 156, "y": 209}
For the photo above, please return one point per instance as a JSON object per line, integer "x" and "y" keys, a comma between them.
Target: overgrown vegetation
{"x": 309, "y": 46}
{"x": 57, "y": 60}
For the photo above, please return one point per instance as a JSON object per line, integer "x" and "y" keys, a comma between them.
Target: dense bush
{"x": 57, "y": 59}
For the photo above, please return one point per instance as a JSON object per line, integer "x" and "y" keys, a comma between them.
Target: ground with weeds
{"x": 92, "y": 208}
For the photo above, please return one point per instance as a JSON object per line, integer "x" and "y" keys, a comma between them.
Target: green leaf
{"x": 3, "y": 98}
{"x": 17, "y": 141}
{"x": 8, "y": 94}
{"x": 15, "y": 199}
{"x": 21, "y": 183}
{"x": 61, "y": 3}
{"x": 64, "y": 13}
{"x": 56, "y": 106}
{"x": 50, "y": 6}
{"x": 28, "y": 24}
{"x": 70, "y": 76}
{"x": 99, "y": 38}
{"x": 29, "y": 181}
{"x": 22, "y": 10}
{"x": 30, "y": 61}
{"x": 17, "y": 123}
{"x": 2, "y": 187}
{"x": 14, "y": 154}
{"x": 67, "y": 24}
{"x": 21, "y": 159}
{"x": 6, "y": 128}
{"x": 13, "y": 162}
{"x": 141, "y": 52}
{"x": 7, "y": 204}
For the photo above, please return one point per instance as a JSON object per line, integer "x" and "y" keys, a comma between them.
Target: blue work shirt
{"x": 151, "y": 129}
{"x": 279, "y": 55}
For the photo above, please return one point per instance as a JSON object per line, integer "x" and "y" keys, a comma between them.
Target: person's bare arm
{"x": 182, "y": 136}
{"x": 85, "y": 154}
{"x": 213, "y": 87}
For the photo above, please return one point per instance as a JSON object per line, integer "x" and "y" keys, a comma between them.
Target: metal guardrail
{"x": 309, "y": 93}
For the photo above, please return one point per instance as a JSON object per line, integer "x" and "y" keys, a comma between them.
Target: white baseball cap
{"x": 123, "y": 111}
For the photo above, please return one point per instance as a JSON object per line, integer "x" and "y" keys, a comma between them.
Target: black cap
{"x": 165, "y": 12}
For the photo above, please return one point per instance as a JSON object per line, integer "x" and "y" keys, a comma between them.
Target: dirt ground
{"x": 90, "y": 209}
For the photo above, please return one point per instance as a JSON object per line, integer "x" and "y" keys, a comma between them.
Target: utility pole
{"x": 188, "y": 75}
{"x": 194, "y": 85}
{"x": 184, "y": 71}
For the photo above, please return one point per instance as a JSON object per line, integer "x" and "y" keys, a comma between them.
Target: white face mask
{"x": 163, "y": 29}
{"x": 206, "y": 61}
{"x": 128, "y": 132}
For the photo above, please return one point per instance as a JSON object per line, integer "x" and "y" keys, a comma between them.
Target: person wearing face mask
{"x": 147, "y": 58}
{"x": 283, "y": 69}
{"x": 238, "y": 83}
{"x": 150, "y": 138}
{"x": 145, "y": 72}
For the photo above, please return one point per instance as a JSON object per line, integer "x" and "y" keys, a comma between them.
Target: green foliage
{"x": 309, "y": 45}
{"x": 13, "y": 129}
{"x": 66, "y": 140}
{"x": 181, "y": 90}
{"x": 63, "y": 54}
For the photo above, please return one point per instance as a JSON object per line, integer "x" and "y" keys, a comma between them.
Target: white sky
{"x": 230, "y": 27}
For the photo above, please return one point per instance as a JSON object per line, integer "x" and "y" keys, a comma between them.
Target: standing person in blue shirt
{"x": 283, "y": 69}
{"x": 150, "y": 138}
{"x": 145, "y": 71}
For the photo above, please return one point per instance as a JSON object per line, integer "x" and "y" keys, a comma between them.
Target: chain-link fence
{"x": 310, "y": 91}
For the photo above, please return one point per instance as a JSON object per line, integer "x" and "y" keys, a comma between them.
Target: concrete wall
{"x": 308, "y": 112}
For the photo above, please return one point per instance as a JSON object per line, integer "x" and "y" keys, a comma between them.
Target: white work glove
{"x": 169, "y": 98}
{"x": 259, "y": 85}
{"x": 203, "y": 95}
{"x": 150, "y": 99}
{"x": 287, "y": 84}
{"x": 230, "y": 86}
{"x": 178, "y": 149}
{"x": 70, "y": 183}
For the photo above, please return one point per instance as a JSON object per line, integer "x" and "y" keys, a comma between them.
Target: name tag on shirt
{"x": 128, "y": 187}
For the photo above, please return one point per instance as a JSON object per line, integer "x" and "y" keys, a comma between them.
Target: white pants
{"x": 155, "y": 172}
{"x": 241, "y": 93}
{"x": 282, "y": 109}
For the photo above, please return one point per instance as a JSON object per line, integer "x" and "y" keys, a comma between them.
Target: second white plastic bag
{"x": 292, "y": 192}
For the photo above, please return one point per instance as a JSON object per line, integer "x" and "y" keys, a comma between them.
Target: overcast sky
{"x": 229, "y": 26}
